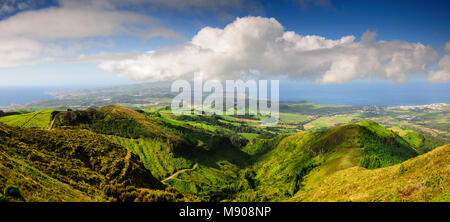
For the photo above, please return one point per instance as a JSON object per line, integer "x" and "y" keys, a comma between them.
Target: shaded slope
{"x": 85, "y": 161}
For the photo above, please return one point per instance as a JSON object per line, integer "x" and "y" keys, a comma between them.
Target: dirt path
{"x": 51, "y": 124}
{"x": 127, "y": 164}
{"x": 180, "y": 171}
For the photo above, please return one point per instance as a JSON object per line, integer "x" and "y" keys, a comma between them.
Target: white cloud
{"x": 56, "y": 23}
{"x": 34, "y": 36}
{"x": 443, "y": 74}
{"x": 260, "y": 46}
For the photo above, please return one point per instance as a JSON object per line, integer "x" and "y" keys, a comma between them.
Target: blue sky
{"x": 114, "y": 50}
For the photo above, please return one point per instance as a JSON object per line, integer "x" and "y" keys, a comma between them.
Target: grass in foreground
{"x": 423, "y": 178}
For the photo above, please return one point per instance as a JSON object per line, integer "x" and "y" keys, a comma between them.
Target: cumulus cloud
{"x": 39, "y": 35}
{"x": 443, "y": 74}
{"x": 56, "y": 23}
{"x": 260, "y": 47}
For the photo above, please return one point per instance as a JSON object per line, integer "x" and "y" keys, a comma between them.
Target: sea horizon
{"x": 378, "y": 94}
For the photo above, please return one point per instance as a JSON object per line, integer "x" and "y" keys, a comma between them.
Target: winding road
{"x": 180, "y": 171}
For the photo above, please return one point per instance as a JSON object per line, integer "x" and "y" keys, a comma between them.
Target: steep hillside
{"x": 421, "y": 142}
{"x": 280, "y": 164}
{"x": 115, "y": 120}
{"x": 71, "y": 165}
{"x": 167, "y": 149}
{"x": 156, "y": 156}
{"x": 423, "y": 178}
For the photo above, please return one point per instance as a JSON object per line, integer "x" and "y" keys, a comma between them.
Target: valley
{"x": 315, "y": 153}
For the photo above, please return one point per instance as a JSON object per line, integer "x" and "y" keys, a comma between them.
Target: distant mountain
{"x": 133, "y": 95}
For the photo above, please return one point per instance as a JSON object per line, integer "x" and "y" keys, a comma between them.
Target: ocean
{"x": 364, "y": 93}
{"x": 355, "y": 93}
{"x": 22, "y": 94}
{"x": 26, "y": 94}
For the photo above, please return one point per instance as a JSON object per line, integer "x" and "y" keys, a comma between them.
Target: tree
{"x": 238, "y": 141}
{"x": 370, "y": 162}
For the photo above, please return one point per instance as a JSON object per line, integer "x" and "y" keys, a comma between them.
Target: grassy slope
{"x": 421, "y": 142}
{"x": 282, "y": 162}
{"x": 74, "y": 165}
{"x": 340, "y": 159}
{"x": 35, "y": 184}
{"x": 423, "y": 178}
{"x": 39, "y": 120}
{"x": 166, "y": 147}
{"x": 155, "y": 155}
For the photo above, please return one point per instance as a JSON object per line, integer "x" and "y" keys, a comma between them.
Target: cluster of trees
{"x": 387, "y": 150}
{"x": 101, "y": 122}
{"x": 2, "y": 113}
{"x": 370, "y": 162}
{"x": 238, "y": 141}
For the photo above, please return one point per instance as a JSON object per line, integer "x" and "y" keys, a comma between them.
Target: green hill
{"x": 166, "y": 148}
{"x": 423, "y": 178}
{"x": 72, "y": 165}
{"x": 115, "y": 120}
{"x": 280, "y": 164}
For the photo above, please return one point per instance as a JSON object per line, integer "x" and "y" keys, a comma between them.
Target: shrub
{"x": 238, "y": 141}
{"x": 13, "y": 192}
{"x": 370, "y": 162}
{"x": 401, "y": 170}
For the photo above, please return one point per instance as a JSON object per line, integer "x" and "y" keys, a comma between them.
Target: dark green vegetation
{"x": 118, "y": 154}
{"x": 280, "y": 164}
{"x": 69, "y": 165}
